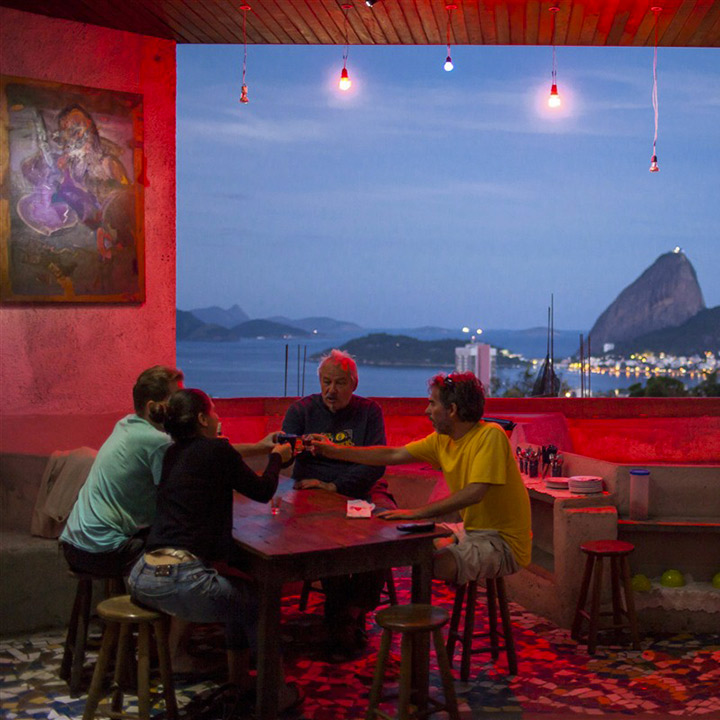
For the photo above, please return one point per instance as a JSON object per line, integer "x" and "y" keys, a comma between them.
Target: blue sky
{"x": 430, "y": 198}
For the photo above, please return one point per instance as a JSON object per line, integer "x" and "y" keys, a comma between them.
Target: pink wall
{"x": 63, "y": 361}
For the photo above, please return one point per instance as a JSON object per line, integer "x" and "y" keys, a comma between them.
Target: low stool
{"x": 411, "y": 621}
{"x": 310, "y": 586}
{"x": 617, "y": 552}
{"x": 496, "y": 597}
{"x": 73, "y": 661}
{"x": 120, "y": 615}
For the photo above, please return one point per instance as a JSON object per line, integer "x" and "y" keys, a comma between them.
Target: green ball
{"x": 641, "y": 583}
{"x": 672, "y": 578}
{"x": 716, "y": 580}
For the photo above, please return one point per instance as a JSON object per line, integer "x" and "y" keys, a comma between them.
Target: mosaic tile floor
{"x": 671, "y": 676}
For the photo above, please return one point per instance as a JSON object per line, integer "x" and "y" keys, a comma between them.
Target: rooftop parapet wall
{"x": 689, "y": 427}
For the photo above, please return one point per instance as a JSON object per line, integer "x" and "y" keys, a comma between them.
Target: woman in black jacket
{"x": 193, "y": 529}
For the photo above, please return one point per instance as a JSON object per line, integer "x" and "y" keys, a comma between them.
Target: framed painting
{"x": 71, "y": 194}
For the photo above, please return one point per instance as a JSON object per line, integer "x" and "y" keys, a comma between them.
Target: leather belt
{"x": 168, "y": 556}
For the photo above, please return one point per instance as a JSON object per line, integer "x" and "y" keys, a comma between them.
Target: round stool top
{"x": 121, "y": 608}
{"x": 411, "y": 618}
{"x": 607, "y": 547}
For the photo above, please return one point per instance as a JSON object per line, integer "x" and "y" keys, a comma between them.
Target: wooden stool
{"x": 309, "y": 586}
{"x": 411, "y": 620}
{"x": 120, "y": 614}
{"x": 496, "y": 595}
{"x": 596, "y": 551}
{"x": 71, "y": 668}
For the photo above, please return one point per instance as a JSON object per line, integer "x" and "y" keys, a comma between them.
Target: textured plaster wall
{"x": 63, "y": 362}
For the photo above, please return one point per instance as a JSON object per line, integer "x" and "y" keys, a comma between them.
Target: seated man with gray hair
{"x": 345, "y": 419}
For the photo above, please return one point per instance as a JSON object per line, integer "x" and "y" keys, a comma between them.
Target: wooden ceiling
{"x": 681, "y": 23}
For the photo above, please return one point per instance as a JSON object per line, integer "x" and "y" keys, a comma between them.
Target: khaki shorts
{"x": 482, "y": 554}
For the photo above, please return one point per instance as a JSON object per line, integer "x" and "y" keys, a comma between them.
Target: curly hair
{"x": 463, "y": 389}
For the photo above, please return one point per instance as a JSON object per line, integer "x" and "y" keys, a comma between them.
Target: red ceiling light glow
{"x": 448, "y": 66}
{"x": 554, "y": 99}
{"x": 345, "y": 81}
{"x": 244, "y": 90}
{"x": 653, "y": 160}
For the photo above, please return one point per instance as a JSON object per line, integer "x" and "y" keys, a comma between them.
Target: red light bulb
{"x": 345, "y": 81}
{"x": 554, "y": 99}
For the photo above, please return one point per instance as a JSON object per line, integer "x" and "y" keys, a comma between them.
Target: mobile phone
{"x": 416, "y": 527}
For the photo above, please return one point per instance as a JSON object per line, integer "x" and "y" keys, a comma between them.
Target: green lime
{"x": 641, "y": 583}
{"x": 672, "y": 578}
{"x": 716, "y": 580}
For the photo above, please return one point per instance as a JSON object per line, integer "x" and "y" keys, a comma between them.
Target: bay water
{"x": 256, "y": 367}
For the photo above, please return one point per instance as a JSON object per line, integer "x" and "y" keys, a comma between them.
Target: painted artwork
{"x": 71, "y": 208}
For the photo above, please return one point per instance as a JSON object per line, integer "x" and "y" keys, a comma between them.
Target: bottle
{"x": 639, "y": 493}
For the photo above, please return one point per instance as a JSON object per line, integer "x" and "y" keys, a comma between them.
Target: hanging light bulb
{"x": 448, "y": 66}
{"x": 653, "y": 160}
{"x": 554, "y": 99}
{"x": 345, "y": 82}
{"x": 244, "y": 89}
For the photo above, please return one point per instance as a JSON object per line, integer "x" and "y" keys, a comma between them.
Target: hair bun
{"x": 158, "y": 413}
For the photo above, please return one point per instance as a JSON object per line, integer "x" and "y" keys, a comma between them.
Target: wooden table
{"x": 311, "y": 538}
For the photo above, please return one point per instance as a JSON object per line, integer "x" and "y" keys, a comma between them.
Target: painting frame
{"x": 71, "y": 193}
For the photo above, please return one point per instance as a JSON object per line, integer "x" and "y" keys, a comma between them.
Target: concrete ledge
{"x": 36, "y": 591}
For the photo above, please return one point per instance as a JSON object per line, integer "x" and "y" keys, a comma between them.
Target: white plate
{"x": 557, "y": 483}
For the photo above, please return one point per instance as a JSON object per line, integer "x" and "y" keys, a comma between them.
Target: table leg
{"x": 269, "y": 663}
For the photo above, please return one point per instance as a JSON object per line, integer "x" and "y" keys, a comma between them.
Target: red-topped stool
{"x": 617, "y": 552}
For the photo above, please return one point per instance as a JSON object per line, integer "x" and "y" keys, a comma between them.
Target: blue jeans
{"x": 196, "y": 593}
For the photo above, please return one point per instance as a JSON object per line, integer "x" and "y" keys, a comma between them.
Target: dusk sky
{"x": 430, "y": 198}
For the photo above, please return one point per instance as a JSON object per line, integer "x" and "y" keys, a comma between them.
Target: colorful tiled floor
{"x": 673, "y": 676}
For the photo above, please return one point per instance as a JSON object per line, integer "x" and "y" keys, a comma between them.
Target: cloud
{"x": 251, "y": 128}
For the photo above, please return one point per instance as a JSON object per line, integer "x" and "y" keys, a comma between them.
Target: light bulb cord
{"x": 655, "y": 86}
{"x": 554, "y": 11}
{"x": 245, "y": 42}
{"x": 447, "y": 31}
{"x": 347, "y": 42}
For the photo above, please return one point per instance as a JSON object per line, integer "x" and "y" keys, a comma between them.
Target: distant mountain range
{"x": 661, "y": 311}
{"x": 190, "y": 327}
{"x": 530, "y": 343}
{"x": 215, "y": 315}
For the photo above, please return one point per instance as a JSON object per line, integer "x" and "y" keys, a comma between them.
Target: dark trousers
{"x": 360, "y": 591}
{"x": 115, "y": 563}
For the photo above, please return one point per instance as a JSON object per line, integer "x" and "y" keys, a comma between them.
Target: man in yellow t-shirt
{"x": 480, "y": 469}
